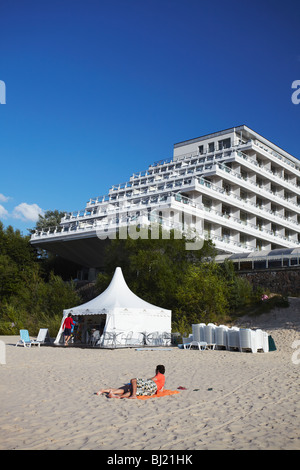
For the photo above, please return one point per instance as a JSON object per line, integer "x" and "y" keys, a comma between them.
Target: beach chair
{"x": 247, "y": 339}
{"x": 201, "y": 345}
{"x": 221, "y": 336}
{"x": 95, "y": 337}
{"x": 25, "y": 340}
{"x": 233, "y": 339}
{"x": 187, "y": 341}
{"x": 209, "y": 336}
{"x": 153, "y": 339}
{"x": 262, "y": 343}
{"x": 43, "y": 336}
{"x": 166, "y": 338}
{"x": 126, "y": 338}
{"x": 198, "y": 331}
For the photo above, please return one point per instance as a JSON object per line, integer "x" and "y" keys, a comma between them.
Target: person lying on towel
{"x": 138, "y": 387}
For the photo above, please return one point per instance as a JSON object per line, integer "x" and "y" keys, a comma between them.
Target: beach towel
{"x": 272, "y": 346}
{"x": 164, "y": 393}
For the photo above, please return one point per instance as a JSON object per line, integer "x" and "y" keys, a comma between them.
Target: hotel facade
{"x": 244, "y": 189}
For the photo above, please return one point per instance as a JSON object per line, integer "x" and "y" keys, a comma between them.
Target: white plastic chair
{"x": 95, "y": 337}
{"x": 166, "y": 338}
{"x": 233, "y": 339}
{"x": 209, "y": 335}
{"x": 126, "y": 338}
{"x": 25, "y": 340}
{"x": 196, "y": 332}
{"x": 201, "y": 345}
{"x": 138, "y": 341}
{"x": 153, "y": 339}
{"x": 262, "y": 342}
{"x": 43, "y": 336}
{"x": 221, "y": 336}
{"x": 187, "y": 341}
{"x": 247, "y": 340}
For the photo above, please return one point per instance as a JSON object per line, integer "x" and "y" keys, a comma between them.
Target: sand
{"x": 233, "y": 400}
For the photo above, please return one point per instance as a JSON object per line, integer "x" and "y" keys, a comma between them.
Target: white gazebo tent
{"x": 127, "y": 319}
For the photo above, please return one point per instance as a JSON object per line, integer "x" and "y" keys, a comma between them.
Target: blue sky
{"x": 99, "y": 89}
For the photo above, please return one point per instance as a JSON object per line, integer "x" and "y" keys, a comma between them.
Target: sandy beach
{"x": 233, "y": 400}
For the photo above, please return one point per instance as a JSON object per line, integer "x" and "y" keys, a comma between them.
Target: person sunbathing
{"x": 138, "y": 386}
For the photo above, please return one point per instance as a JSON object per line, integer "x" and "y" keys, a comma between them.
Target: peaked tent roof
{"x": 117, "y": 295}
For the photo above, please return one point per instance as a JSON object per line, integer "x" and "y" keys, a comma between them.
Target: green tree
{"x": 29, "y": 297}
{"x": 48, "y": 220}
{"x": 202, "y": 296}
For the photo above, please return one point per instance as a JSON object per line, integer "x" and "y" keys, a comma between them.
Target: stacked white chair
{"x": 265, "y": 341}
{"x": 233, "y": 339}
{"x": 196, "y": 332}
{"x": 209, "y": 335}
{"x": 262, "y": 342}
{"x": 247, "y": 339}
{"x": 187, "y": 341}
{"x": 221, "y": 336}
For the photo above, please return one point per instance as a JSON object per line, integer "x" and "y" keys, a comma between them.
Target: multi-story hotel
{"x": 244, "y": 189}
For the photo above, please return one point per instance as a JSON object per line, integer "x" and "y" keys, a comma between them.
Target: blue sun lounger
{"x": 25, "y": 340}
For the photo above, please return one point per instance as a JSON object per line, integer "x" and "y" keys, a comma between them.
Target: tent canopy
{"x": 117, "y": 295}
{"x": 125, "y": 312}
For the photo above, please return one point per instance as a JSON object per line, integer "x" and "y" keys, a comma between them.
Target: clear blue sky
{"x": 99, "y": 89}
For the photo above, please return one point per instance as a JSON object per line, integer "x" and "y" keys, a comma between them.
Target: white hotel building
{"x": 244, "y": 188}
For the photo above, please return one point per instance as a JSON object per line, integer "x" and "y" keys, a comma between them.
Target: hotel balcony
{"x": 245, "y": 189}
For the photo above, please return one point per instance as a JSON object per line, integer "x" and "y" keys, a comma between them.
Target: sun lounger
{"x": 25, "y": 340}
{"x": 198, "y": 331}
{"x": 233, "y": 339}
{"x": 221, "y": 336}
{"x": 262, "y": 342}
{"x": 247, "y": 339}
{"x": 201, "y": 345}
{"x": 43, "y": 336}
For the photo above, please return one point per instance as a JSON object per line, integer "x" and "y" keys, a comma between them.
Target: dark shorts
{"x": 67, "y": 332}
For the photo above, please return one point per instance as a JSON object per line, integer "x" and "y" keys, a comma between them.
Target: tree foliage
{"x": 30, "y": 296}
{"x": 161, "y": 271}
{"x": 189, "y": 283}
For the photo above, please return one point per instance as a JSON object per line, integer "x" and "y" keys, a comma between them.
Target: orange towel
{"x": 164, "y": 393}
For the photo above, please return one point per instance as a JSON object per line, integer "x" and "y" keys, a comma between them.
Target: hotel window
{"x": 200, "y": 148}
{"x": 243, "y": 239}
{"x": 259, "y": 245}
{"x": 259, "y": 223}
{"x": 226, "y": 187}
{"x": 207, "y": 203}
{"x": 259, "y": 202}
{"x": 207, "y": 229}
{"x": 224, "y": 144}
{"x": 226, "y": 211}
{"x": 211, "y": 147}
{"x": 244, "y": 174}
{"x": 226, "y": 233}
{"x": 259, "y": 182}
{"x": 244, "y": 217}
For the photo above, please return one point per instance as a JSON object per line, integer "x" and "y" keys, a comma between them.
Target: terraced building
{"x": 243, "y": 188}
